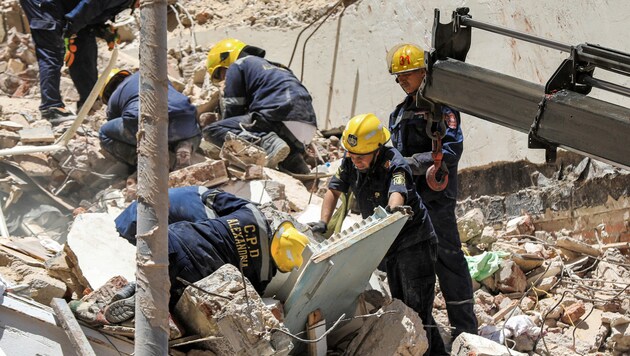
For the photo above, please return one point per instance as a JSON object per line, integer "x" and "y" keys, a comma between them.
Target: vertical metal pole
{"x": 152, "y": 291}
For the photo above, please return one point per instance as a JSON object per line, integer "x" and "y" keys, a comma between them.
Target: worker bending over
{"x": 263, "y": 102}
{"x": 209, "y": 228}
{"x": 121, "y": 93}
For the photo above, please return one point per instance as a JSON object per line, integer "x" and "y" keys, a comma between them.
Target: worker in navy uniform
{"x": 121, "y": 93}
{"x": 209, "y": 228}
{"x": 262, "y": 102}
{"x": 53, "y": 24}
{"x": 379, "y": 176}
{"x": 185, "y": 204}
{"x": 408, "y": 127}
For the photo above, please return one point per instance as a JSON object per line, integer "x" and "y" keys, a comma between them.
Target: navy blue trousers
{"x": 452, "y": 268}
{"x": 411, "y": 278}
{"x": 46, "y": 23}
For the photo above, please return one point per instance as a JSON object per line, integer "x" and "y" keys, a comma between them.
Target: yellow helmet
{"x": 115, "y": 77}
{"x": 287, "y": 246}
{"x": 223, "y": 54}
{"x": 364, "y": 134}
{"x": 405, "y": 58}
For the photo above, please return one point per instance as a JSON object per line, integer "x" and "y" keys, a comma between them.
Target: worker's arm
{"x": 395, "y": 199}
{"x": 452, "y": 144}
{"x": 234, "y": 101}
{"x": 329, "y": 204}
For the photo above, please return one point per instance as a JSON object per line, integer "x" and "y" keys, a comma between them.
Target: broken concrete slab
{"x": 239, "y": 321}
{"x": 398, "y": 331}
{"x": 42, "y": 134}
{"x": 98, "y": 251}
{"x": 468, "y": 344}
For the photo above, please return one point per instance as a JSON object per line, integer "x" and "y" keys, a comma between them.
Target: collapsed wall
{"x": 586, "y": 196}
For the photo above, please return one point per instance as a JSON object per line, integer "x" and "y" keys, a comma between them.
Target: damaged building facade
{"x": 547, "y": 244}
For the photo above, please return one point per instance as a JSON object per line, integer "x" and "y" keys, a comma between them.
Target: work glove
{"x": 404, "y": 209}
{"x": 109, "y": 34}
{"x": 71, "y": 49}
{"x": 318, "y": 227}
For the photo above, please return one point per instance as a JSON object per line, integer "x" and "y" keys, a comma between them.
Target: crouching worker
{"x": 263, "y": 102}
{"x": 379, "y": 176}
{"x": 121, "y": 93}
{"x": 237, "y": 233}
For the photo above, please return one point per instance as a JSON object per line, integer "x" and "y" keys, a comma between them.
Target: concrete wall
{"x": 345, "y": 69}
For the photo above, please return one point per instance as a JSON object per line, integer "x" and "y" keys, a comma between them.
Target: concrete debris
{"x": 469, "y": 344}
{"x": 398, "y": 331}
{"x": 565, "y": 238}
{"x": 240, "y": 322}
{"x": 209, "y": 174}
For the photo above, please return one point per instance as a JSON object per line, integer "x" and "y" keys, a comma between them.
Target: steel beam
{"x": 570, "y": 120}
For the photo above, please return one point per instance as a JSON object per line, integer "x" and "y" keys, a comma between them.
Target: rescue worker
{"x": 65, "y": 30}
{"x": 263, "y": 102}
{"x": 118, "y": 134}
{"x": 408, "y": 127}
{"x": 185, "y": 204}
{"x": 234, "y": 231}
{"x": 379, "y": 176}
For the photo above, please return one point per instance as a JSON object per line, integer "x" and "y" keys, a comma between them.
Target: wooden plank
{"x": 315, "y": 328}
{"x": 72, "y": 327}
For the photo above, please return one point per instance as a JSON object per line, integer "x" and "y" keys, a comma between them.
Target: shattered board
{"x": 340, "y": 268}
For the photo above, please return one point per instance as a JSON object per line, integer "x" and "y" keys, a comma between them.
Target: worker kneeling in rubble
{"x": 379, "y": 176}
{"x": 235, "y": 232}
{"x": 263, "y": 102}
{"x": 121, "y": 93}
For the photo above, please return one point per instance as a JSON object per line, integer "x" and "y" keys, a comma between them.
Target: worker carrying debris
{"x": 410, "y": 135}
{"x": 209, "y": 228}
{"x": 65, "y": 30}
{"x": 121, "y": 93}
{"x": 263, "y": 102}
{"x": 379, "y": 176}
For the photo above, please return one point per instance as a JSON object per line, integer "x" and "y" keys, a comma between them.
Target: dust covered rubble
{"x": 540, "y": 292}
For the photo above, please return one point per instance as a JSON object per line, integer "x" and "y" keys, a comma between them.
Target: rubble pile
{"x": 546, "y": 291}
{"x": 545, "y": 281}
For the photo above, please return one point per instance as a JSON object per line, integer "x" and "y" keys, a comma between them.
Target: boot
{"x": 57, "y": 115}
{"x": 123, "y": 305}
{"x": 277, "y": 150}
{"x": 295, "y": 163}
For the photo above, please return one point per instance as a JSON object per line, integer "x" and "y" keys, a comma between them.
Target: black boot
{"x": 57, "y": 115}
{"x": 295, "y": 163}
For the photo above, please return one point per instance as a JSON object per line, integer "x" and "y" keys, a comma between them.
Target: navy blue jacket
{"x": 207, "y": 229}
{"x": 254, "y": 85}
{"x": 240, "y": 236}
{"x": 389, "y": 173}
{"x": 125, "y": 101}
{"x": 407, "y": 124}
{"x": 185, "y": 204}
{"x": 92, "y": 12}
